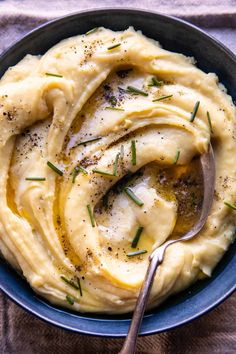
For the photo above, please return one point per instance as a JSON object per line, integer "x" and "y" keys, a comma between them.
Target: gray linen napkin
{"x": 22, "y": 333}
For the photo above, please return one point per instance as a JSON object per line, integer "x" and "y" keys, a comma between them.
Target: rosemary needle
{"x": 69, "y": 282}
{"x": 114, "y": 46}
{"x": 114, "y": 109}
{"x": 112, "y": 100}
{"x": 86, "y": 141}
{"x": 133, "y": 152}
{"x": 194, "y": 112}
{"x": 55, "y": 75}
{"x": 135, "y": 90}
{"x": 137, "y": 237}
{"x": 91, "y": 215}
{"x": 230, "y": 205}
{"x": 155, "y": 82}
{"x": 75, "y": 174}
{"x": 116, "y": 164}
{"x": 54, "y": 168}
{"x": 177, "y": 157}
{"x": 209, "y": 121}
{"x": 72, "y": 284}
{"x": 80, "y": 288}
{"x": 76, "y": 171}
{"x": 103, "y": 173}
{"x": 81, "y": 169}
{"x": 122, "y": 152}
{"x": 93, "y": 30}
{"x": 137, "y": 253}
{"x": 70, "y": 299}
{"x": 35, "y": 179}
{"x": 132, "y": 196}
{"x": 162, "y": 98}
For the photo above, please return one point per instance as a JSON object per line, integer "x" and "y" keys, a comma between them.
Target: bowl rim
{"x": 88, "y": 12}
{"x": 55, "y": 323}
{"x": 117, "y": 9}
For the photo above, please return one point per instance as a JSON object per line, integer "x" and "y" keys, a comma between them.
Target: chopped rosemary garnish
{"x": 162, "y": 98}
{"x": 132, "y": 196}
{"x": 137, "y": 237}
{"x": 54, "y": 168}
{"x": 80, "y": 288}
{"x": 176, "y": 157}
{"x": 70, "y": 282}
{"x": 135, "y": 90}
{"x": 133, "y": 152}
{"x": 114, "y": 46}
{"x": 76, "y": 171}
{"x": 103, "y": 173}
{"x": 122, "y": 152}
{"x": 86, "y": 142}
{"x": 75, "y": 174}
{"x": 91, "y": 215}
{"x": 114, "y": 108}
{"x": 230, "y": 205}
{"x": 112, "y": 100}
{"x": 155, "y": 82}
{"x": 35, "y": 179}
{"x": 93, "y": 30}
{"x": 194, "y": 112}
{"x": 116, "y": 164}
{"x": 50, "y": 74}
{"x": 137, "y": 253}
{"x": 81, "y": 169}
{"x": 209, "y": 121}
{"x": 70, "y": 299}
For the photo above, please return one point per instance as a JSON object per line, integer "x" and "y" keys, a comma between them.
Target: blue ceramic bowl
{"x": 211, "y": 56}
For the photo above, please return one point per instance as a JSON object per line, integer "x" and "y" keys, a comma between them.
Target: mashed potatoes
{"x": 99, "y": 146}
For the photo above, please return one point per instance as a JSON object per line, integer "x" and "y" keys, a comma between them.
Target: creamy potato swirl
{"x": 76, "y": 230}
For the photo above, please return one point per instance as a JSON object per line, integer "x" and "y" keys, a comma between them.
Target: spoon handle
{"x": 129, "y": 345}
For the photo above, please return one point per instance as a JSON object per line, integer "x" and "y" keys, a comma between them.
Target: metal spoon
{"x": 156, "y": 258}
